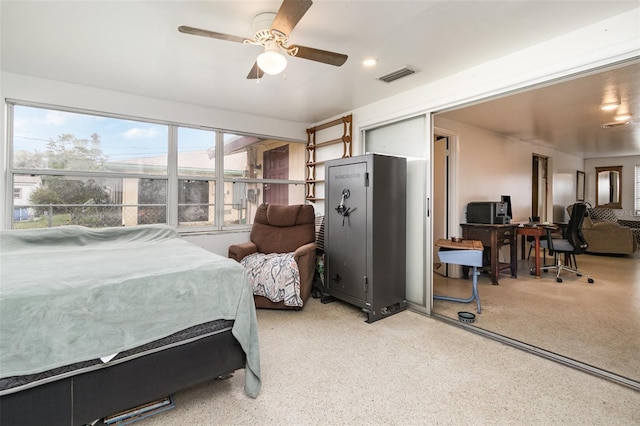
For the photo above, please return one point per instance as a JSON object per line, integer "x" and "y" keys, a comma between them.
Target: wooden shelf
{"x": 313, "y": 145}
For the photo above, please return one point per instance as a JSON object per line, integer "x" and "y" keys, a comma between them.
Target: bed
{"x": 96, "y": 321}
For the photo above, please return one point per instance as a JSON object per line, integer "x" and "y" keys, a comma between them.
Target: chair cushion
{"x": 558, "y": 245}
{"x": 274, "y": 276}
{"x": 282, "y": 228}
{"x": 281, "y": 215}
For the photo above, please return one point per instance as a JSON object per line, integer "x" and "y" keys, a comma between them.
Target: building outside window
{"x": 72, "y": 167}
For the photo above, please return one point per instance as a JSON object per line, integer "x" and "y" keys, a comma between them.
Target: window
{"x": 637, "y": 192}
{"x": 73, "y": 167}
{"x": 17, "y": 192}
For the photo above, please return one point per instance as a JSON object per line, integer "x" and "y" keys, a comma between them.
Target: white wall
{"x": 491, "y": 165}
{"x": 628, "y": 164}
{"x": 218, "y": 243}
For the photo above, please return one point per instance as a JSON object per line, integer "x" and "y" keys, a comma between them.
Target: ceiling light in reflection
{"x": 609, "y": 106}
{"x": 622, "y": 117}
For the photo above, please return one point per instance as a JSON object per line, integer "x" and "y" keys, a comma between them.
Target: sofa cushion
{"x": 602, "y": 214}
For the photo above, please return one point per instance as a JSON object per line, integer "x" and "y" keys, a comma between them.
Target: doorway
{"x": 441, "y": 168}
{"x": 539, "y": 188}
{"x": 276, "y": 166}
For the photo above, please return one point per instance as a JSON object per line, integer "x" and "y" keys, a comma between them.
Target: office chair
{"x": 571, "y": 244}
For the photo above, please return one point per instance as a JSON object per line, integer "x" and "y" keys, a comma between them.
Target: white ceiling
{"x": 566, "y": 115}
{"x": 134, "y": 47}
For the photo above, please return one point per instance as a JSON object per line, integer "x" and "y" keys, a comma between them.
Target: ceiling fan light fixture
{"x": 271, "y": 61}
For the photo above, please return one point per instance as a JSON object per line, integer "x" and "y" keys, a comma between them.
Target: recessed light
{"x": 609, "y": 106}
{"x": 369, "y": 62}
{"x": 622, "y": 117}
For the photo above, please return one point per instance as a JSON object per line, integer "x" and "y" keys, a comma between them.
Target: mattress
{"x": 71, "y": 294}
{"x": 13, "y": 384}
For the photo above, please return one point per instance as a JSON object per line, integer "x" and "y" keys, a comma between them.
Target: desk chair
{"x": 573, "y": 243}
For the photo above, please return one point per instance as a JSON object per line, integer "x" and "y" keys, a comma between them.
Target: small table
{"x": 467, "y": 253}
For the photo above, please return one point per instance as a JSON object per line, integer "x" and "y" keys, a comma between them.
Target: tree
{"x": 58, "y": 190}
{"x": 71, "y": 153}
{"x": 67, "y": 153}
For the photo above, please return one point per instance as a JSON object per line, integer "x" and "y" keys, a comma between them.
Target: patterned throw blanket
{"x": 274, "y": 276}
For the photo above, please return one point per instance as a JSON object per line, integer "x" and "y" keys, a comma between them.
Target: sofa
{"x": 635, "y": 228}
{"x": 605, "y": 234}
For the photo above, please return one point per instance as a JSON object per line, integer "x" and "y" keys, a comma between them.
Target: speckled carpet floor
{"x": 325, "y": 366}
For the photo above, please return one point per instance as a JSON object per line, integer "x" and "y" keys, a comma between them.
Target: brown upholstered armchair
{"x": 283, "y": 229}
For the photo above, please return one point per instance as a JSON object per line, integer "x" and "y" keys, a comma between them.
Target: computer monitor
{"x": 507, "y": 199}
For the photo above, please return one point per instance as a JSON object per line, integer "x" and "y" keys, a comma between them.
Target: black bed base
{"x": 86, "y": 397}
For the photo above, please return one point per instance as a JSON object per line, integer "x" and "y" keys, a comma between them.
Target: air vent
{"x": 615, "y": 124}
{"x": 396, "y": 74}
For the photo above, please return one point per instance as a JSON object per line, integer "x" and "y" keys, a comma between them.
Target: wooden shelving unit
{"x": 313, "y": 145}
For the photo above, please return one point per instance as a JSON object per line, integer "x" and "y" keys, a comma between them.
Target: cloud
{"x": 56, "y": 118}
{"x": 25, "y": 123}
{"x": 138, "y": 133}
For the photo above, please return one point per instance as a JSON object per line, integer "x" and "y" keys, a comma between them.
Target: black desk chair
{"x": 573, "y": 243}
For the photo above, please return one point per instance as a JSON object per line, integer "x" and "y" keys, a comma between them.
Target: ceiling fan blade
{"x": 318, "y": 55}
{"x": 211, "y": 34}
{"x": 255, "y": 72}
{"x": 289, "y": 14}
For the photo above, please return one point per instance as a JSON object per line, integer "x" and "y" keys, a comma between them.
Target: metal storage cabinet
{"x": 365, "y": 235}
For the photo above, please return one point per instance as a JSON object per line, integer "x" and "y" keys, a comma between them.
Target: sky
{"x": 120, "y": 139}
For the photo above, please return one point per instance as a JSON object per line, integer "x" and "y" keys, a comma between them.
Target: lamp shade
{"x": 271, "y": 61}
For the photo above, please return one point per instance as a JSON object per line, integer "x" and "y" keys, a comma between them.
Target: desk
{"x": 493, "y": 237}
{"x": 536, "y": 232}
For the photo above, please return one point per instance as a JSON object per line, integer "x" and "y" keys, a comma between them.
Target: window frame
{"x": 172, "y": 175}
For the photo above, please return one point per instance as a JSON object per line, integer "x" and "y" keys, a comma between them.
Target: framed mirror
{"x": 609, "y": 187}
{"x": 579, "y": 186}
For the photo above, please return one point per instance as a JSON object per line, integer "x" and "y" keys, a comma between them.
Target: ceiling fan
{"x": 272, "y": 32}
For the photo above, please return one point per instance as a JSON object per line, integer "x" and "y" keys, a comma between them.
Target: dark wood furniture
{"x": 493, "y": 238}
{"x": 536, "y": 232}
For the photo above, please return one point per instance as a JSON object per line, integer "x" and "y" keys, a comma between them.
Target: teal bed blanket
{"x": 71, "y": 294}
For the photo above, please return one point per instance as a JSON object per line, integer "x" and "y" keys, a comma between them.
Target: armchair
{"x": 283, "y": 229}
